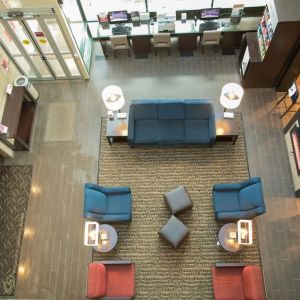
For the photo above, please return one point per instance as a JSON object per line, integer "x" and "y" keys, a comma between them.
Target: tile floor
{"x": 53, "y": 256}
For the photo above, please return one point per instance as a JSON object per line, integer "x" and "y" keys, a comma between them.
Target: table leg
{"x": 234, "y": 139}
{"x": 104, "y": 48}
{"x": 109, "y": 139}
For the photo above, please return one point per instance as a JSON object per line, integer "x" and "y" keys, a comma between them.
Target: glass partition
{"x": 92, "y": 7}
{"x": 247, "y": 3}
{"x": 173, "y": 5}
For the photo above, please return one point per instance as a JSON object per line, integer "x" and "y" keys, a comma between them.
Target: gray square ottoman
{"x": 178, "y": 200}
{"x": 174, "y": 231}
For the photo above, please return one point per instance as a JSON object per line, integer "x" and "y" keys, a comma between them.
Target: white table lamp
{"x": 113, "y": 97}
{"x": 91, "y": 232}
{"x": 245, "y": 235}
{"x": 231, "y": 97}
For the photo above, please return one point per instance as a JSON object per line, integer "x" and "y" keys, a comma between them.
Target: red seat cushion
{"x": 120, "y": 280}
{"x": 228, "y": 283}
{"x": 96, "y": 282}
{"x": 253, "y": 283}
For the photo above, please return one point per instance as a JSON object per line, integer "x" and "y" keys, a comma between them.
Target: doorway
{"x": 38, "y": 47}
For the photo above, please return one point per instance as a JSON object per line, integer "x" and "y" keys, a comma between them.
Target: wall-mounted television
{"x": 118, "y": 16}
{"x": 210, "y": 13}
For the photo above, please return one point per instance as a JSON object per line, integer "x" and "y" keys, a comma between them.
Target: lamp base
{"x": 228, "y": 115}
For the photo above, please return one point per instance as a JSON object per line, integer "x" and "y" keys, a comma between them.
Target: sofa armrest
{"x": 130, "y": 137}
{"x": 212, "y": 129}
{"x": 251, "y": 181}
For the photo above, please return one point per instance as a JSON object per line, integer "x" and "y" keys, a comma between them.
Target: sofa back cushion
{"x": 253, "y": 283}
{"x": 171, "y": 110}
{"x": 144, "y": 110}
{"x": 198, "y": 109}
{"x": 96, "y": 281}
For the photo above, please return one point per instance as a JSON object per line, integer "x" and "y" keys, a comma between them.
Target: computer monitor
{"x": 118, "y": 16}
{"x": 210, "y": 14}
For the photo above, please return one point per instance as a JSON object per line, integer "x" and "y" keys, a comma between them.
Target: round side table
{"x": 229, "y": 244}
{"x": 111, "y": 241}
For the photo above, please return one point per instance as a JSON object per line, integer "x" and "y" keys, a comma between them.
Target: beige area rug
{"x": 60, "y": 125}
{"x": 162, "y": 272}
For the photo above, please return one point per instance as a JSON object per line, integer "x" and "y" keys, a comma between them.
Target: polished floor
{"x": 53, "y": 258}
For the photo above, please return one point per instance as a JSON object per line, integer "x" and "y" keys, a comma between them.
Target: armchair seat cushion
{"x": 226, "y": 201}
{"x": 119, "y": 203}
{"x": 120, "y": 280}
{"x": 228, "y": 283}
{"x": 96, "y": 282}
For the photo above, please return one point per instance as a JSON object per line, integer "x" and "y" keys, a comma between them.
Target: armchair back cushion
{"x": 96, "y": 281}
{"x": 251, "y": 196}
{"x": 252, "y": 280}
{"x": 97, "y": 201}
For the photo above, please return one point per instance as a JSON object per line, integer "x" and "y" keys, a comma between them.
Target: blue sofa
{"x": 244, "y": 200}
{"x": 171, "y": 122}
{"x": 105, "y": 204}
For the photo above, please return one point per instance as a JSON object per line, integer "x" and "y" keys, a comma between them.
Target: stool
{"x": 178, "y": 200}
{"x": 174, "y": 231}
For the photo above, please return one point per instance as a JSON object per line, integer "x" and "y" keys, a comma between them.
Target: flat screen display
{"x": 118, "y": 16}
{"x": 210, "y": 13}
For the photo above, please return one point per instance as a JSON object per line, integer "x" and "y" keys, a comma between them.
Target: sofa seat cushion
{"x": 251, "y": 196}
{"x": 196, "y": 131}
{"x": 228, "y": 283}
{"x": 170, "y": 110}
{"x": 226, "y": 201}
{"x": 171, "y": 131}
{"x": 96, "y": 281}
{"x": 253, "y": 283}
{"x": 146, "y": 131}
{"x": 195, "y": 110}
{"x": 95, "y": 202}
{"x": 120, "y": 280}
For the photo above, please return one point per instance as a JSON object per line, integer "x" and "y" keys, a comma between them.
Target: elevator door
{"x": 38, "y": 47}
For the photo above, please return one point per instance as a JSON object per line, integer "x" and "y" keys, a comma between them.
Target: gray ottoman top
{"x": 174, "y": 231}
{"x": 178, "y": 200}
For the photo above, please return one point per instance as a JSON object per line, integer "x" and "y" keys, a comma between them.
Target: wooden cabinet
{"x": 18, "y": 116}
{"x": 265, "y": 70}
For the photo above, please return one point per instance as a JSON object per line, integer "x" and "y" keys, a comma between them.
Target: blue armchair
{"x": 239, "y": 200}
{"x": 107, "y": 204}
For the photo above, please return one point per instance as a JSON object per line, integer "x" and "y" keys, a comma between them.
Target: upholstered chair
{"x": 162, "y": 40}
{"x": 107, "y": 204}
{"x": 236, "y": 201}
{"x": 120, "y": 42}
{"x": 111, "y": 280}
{"x": 210, "y": 37}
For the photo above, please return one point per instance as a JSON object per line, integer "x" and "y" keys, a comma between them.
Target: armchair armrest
{"x": 115, "y": 190}
{"x": 227, "y": 187}
{"x": 230, "y": 265}
{"x": 114, "y": 262}
{"x": 93, "y": 186}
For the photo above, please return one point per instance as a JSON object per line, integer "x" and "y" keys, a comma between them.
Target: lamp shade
{"x": 113, "y": 97}
{"x": 231, "y": 95}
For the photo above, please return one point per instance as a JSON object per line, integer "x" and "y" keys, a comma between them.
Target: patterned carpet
{"x": 15, "y": 182}
{"x": 162, "y": 272}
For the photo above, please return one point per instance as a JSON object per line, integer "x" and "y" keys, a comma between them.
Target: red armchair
{"x": 238, "y": 282}
{"x": 110, "y": 280}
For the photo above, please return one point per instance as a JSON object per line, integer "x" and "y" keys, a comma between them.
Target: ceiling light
{"x": 12, "y": 3}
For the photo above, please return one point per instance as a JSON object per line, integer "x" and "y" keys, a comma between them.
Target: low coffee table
{"x": 112, "y": 238}
{"x": 227, "y": 243}
{"x": 116, "y": 129}
{"x": 226, "y": 129}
